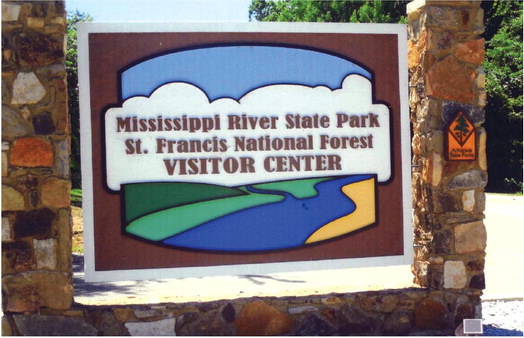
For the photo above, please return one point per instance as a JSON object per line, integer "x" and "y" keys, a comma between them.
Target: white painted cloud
{"x": 176, "y": 100}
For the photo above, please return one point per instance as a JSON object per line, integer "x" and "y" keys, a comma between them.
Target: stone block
{"x": 27, "y": 89}
{"x": 399, "y": 323}
{"x": 32, "y": 152}
{"x": 472, "y": 179}
{"x": 46, "y": 253}
{"x": 17, "y": 257}
{"x": 477, "y": 282}
{"x": 442, "y": 16}
{"x": 449, "y": 80}
{"x": 56, "y": 193}
{"x": 482, "y": 158}
{"x": 470, "y": 237}
{"x": 442, "y": 242}
{"x": 480, "y": 81}
{"x": 54, "y": 289}
{"x": 5, "y": 164}
{"x": 258, "y": 318}
{"x": 41, "y": 325}
{"x": 463, "y": 311}
{"x": 164, "y": 327}
{"x": 6, "y": 229}
{"x": 13, "y": 124}
{"x": 43, "y": 124}
{"x": 431, "y": 314}
{"x": 12, "y": 199}
{"x": 302, "y": 309}
{"x": 34, "y": 22}
{"x": 123, "y": 314}
{"x": 35, "y": 49}
{"x": 353, "y": 321}
{"x": 33, "y": 223}
{"x": 314, "y": 326}
{"x": 105, "y": 322}
{"x": 432, "y": 171}
{"x": 62, "y": 152}
{"x": 471, "y": 51}
{"x": 10, "y": 12}
{"x": 28, "y": 181}
{"x": 454, "y": 275}
{"x": 468, "y": 200}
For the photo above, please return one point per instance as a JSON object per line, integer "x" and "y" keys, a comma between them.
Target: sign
{"x": 253, "y": 148}
{"x": 461, "y": 139}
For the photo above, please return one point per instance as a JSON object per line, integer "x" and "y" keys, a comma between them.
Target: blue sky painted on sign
{"x": 233, "y": 71}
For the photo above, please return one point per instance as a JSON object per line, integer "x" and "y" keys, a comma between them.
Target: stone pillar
{"x": 36, "y": 226}
{"x": 445, "y": 56}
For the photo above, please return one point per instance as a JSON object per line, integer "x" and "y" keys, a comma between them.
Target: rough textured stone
{"x": 482, "y": 158}
{"x": 6, "y": 327}
{"x": 471, "y": 51}
{"x": 470, "y": 237}
{"x": 473, "y": 179}
{"x": 28, "y": 181}
{"x": 35, "y": 49}
{"x": 32, "y": 290}
{"x": 12, "y": 199}
{"x": 442, "y": 16}
{"x": 257, "y": 318}
{"x": 477, "y": 265}
{"x": 6, "y": 229}
{"x": 62, "y": 152}
{"x": 468, "y": 200}
{"x": 32, "y": 152}
{"x": 35, "y": 223}
{"x": 106, "y": 323}
{"x": 10, "y": 12}
{"x": 27, "y": 89}
{"x": 442, "y": 242}
{"x": 35, "y": 23}
{"x": 478, "y": 282}
{"x": 5, "y": 164}
{"x": 207, "y": 324}
{"x": 354, "y": 321}
{"x": 314, "y": 326}
{"x": 449, "y": 80}
{"x": 39, "y": 325}
{"x": 56, "y": 193}
{"x": 433, "y": 170}
{"x": 399, "y": 323}
{"x": 301, "y": 309}
{"x": 463, "y": 311}
{"x": 123, "y": 314}
{"x": 17, "y": 257}
{"x": 229, "y": 313}
{"x": 431, "y": 314}
{"x": 454, "y": 275}
{"x": 164, "y": 327}
{"x": 43, "y": 124}
{"x": 46, "y": 253}
{"x": 13, "y": 124}
{"x": 34, "y": 198}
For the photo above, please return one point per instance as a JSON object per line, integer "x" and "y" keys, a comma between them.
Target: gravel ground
{"x": 503, "y": 318}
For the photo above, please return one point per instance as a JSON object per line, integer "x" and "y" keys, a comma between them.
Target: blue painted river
{"x": 274, "y": 226}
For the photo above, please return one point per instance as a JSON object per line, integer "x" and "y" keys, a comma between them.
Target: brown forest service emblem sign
{"x": 461, "y": 139}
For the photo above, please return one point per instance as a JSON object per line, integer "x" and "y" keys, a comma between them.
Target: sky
{"x": 162, "y": 10}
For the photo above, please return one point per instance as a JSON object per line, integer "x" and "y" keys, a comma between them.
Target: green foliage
{"x": 503, "y": 68}
{"x": 328, "y": 11}
{"x": 72, "y": 91}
